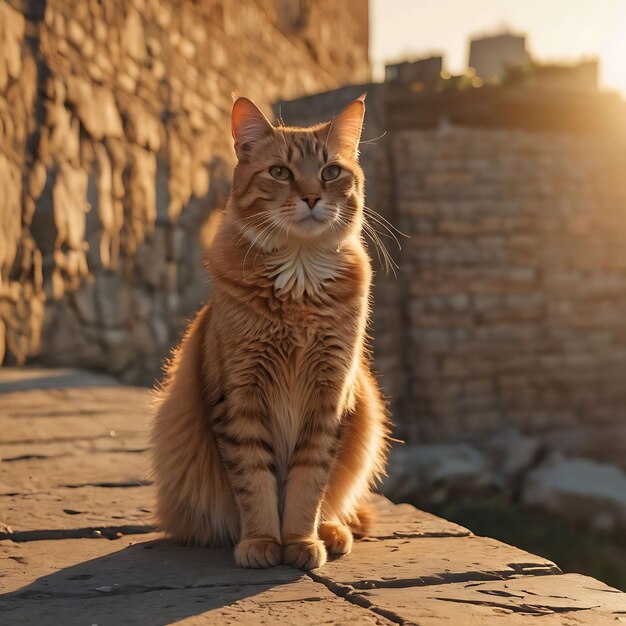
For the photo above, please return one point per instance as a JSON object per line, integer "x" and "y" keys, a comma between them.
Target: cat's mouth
{"x": 311, "y": 225}
{"x": 312, "y": 218}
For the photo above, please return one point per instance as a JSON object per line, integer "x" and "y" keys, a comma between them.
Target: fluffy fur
{"x": 270, "y": 428}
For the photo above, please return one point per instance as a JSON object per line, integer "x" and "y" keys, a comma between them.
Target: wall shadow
{"x": 150, "y": 582}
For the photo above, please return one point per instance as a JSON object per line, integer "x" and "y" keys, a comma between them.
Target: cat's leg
{"x": 361, "y": 454}
{"x": 248, "y": 457}
{"x": 306, "y": 482}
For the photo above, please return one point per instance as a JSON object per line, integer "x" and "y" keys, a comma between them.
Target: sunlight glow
{"x": 557, "y": 31}
{"x": 613, "y": 52}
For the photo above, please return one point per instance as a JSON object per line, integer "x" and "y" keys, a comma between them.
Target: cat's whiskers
{"x": 374, "y": 234}
{"x": 380, "y": 248}
{"x": 263, "y": 247}
{"x": 255, "y": 221}
{"x": 263, "y": 231}
{"x": 250, "y": 217}
{"x": 376, "y": 247}
{"x": 385, "y": 223}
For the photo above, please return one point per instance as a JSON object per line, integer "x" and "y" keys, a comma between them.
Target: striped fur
{"x": 270, "y": 428}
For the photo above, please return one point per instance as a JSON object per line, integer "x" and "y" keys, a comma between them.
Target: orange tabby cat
{"x": 270, "y": 428}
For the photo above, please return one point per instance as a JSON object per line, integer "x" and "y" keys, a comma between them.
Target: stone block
{"x": 113, "y": 468}
{"x": 113, "y": 300}
{"x": 85, "y": 302}
{"x": 403, "y": 563}
{"x": 552, "y": 600}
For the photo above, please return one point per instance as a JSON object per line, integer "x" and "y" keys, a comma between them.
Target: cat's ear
{"x": 344, "y": 133}
{"x": 248, "y": 125}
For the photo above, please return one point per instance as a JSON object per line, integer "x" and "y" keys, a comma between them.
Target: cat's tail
{"x": 195, "y": 505}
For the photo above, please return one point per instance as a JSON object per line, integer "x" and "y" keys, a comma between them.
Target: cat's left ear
{"x": 248, "y": 125}
{"x": 344, "y": 133}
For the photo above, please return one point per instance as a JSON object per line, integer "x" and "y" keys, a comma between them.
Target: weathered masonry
{"x": 115, "y": 150}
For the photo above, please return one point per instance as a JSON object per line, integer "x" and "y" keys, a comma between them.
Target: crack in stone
{"x": 127, "y": 590}
{"x": 126, "y": 484}
{"x": 347, "y": 593}
{"x": 119, "y": 434}
{"x": 105, "y": 485}
{"x": 422, "y": 535}
{"x": 89, "y": 532}
{"x": 456, "y": 577}
{"x": 56, "y": 414}
{"x": 110, "y": 485}
{"x": 39, "y": 457}
{"x": 527, "y": 609}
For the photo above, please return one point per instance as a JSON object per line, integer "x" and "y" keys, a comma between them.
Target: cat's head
{"x": 294, "y": 186}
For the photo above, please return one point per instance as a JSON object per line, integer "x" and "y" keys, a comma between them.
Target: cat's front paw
{"x": 304, "y": 554}
{"x": 336, "y": 536}
{"x": 258, "y": 553}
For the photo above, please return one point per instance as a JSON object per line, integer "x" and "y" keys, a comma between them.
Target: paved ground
{"x": 77, "y": 544}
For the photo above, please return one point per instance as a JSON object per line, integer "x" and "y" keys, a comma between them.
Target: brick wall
{"x": 116, "y": 152}
{"x": 516, "y": 279}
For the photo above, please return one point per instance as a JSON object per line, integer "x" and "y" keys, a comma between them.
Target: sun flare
{"x": 613, "y": 52}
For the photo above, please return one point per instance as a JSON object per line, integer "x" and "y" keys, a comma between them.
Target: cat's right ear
{"x": 248, "y": 125}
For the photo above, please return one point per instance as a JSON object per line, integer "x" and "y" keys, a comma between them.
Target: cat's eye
{"x": 279, "y": 172}
{"x": 331, "y": 172}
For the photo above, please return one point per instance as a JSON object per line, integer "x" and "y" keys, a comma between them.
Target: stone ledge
{"x": 77, "y": 543}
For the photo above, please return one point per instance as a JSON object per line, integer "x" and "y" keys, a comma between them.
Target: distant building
{"x": 492, "y": 56}
{"x": 422, "y": 72}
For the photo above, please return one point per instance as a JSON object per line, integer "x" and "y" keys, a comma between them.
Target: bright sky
{"x": 557, "y": 30}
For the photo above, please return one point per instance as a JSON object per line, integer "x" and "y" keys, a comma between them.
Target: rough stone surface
{"x": 69, "y": 511}
{"x": 89, "y": 554}
{"x": 566, "y": 600}
{"x": 289, "y": 603}
{"x": 33, "y": 475}
{"x": 401, "y": 563}
{"x": 404, "y": 520}
{"x": 116, "y": 150}
{"x": 130, "y": 561}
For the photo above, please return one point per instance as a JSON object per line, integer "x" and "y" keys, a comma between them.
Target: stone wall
{"x": 115, "y": 158}
{"x": 516, "y": 273}
{"x": 509, "y": 308}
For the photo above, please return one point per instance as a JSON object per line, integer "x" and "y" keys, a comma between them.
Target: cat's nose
{"x": 311, "y": 199}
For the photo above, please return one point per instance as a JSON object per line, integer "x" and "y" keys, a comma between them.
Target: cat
{"x": 270, "y": 428}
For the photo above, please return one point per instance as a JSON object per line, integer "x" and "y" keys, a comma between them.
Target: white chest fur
{"x": 301, "y": 270}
